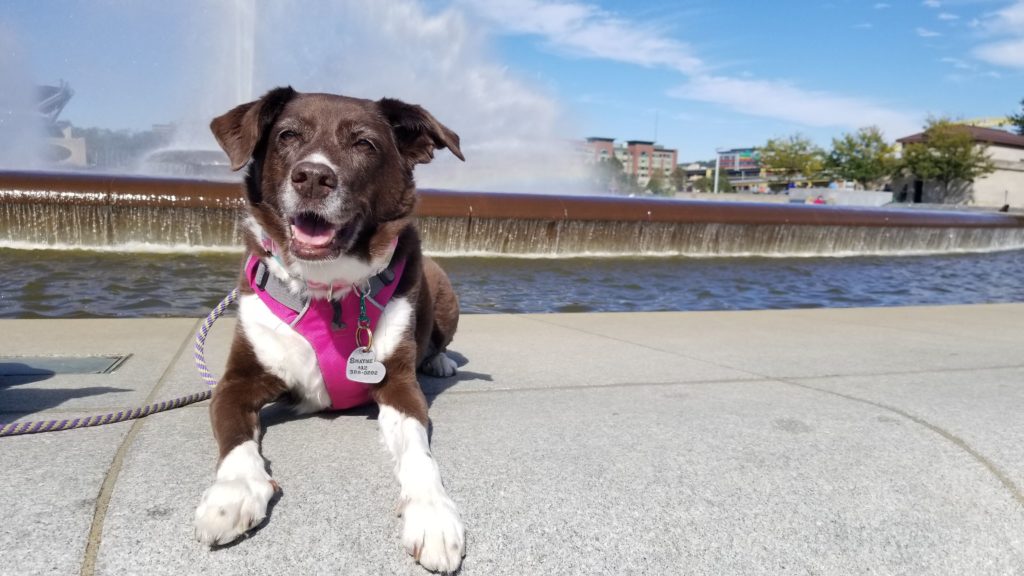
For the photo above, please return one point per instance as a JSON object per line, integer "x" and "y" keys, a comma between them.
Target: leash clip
{"x": 363, "y": 327}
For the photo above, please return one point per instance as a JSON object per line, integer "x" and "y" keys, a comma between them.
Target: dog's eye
{"x": 288, "y": 136}
{"x": 365, "y": 144}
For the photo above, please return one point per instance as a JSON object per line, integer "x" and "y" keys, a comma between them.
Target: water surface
{"x": 78, "y": 284}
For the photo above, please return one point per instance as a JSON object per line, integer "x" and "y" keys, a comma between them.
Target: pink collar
{"x": 328, "y": 325}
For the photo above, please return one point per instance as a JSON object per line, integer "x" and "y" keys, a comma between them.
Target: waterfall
{"x": 96, "y": 212}
{"x": 540, "y": 238}
{"x": 119, "y": 228}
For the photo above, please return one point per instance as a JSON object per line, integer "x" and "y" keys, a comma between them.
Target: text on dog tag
{"x": 362, "y": 366}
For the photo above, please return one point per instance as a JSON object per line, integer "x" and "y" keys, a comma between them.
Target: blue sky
{"x": 734, "y": 73}
{"x": 702, "y": 74}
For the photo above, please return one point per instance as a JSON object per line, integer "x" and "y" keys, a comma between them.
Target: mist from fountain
{"x": 21, "y": 139}
{"x": 228, "y": 56}
{"x": 513, "y": 135}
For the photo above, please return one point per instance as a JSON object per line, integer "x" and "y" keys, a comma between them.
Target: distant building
{"x": 61, "y": 148}
{"x": 1002, "y": 187}
{"x": 742, "y": 167}
{"x": 165, "y": 130}
{"x": 640, "y": 158}
{"x": 694, "y": 171}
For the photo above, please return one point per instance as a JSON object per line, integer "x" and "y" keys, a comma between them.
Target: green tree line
{"x": 947, "y": 154}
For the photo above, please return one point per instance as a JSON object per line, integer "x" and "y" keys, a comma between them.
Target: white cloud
{"x": 1009, "y": 20}
{"x": 587, "y": 31}
{"x": 947, "y": 16}
{"x": 1006, "y": 28}
{"x": 1009, "y": 53}
{"x": 926, "y": 33}
{"x": 932, "y": 3}
{"x": 882, "y": 6}
{"x": 957, "y": 63}
{"x": 864, "y": 26}
{"x": 783, "y": 100}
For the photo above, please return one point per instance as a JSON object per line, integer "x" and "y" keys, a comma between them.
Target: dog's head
{"x": 330, "y": 176}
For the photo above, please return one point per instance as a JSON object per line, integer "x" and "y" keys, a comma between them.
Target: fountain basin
{"x": 129, "y": 212}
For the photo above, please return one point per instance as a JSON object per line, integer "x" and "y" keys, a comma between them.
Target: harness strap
{"x": 322, "y": 322}
{"x": 277, "y": 289}
{"x": 280, "y": 291}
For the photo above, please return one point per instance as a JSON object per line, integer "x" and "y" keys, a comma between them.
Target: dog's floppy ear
{"x": 417, "y": 133}
{"x": 241, "y": 129}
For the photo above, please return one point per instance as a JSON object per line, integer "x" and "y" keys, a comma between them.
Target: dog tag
{"x": 362, "y": 366}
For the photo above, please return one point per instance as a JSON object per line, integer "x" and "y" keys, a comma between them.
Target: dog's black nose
{"x": 314, "y": 180}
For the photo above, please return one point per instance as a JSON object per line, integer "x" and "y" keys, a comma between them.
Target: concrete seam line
{"x": 971, "y": 369}
{"x": 92, "y": 546}
{"x": 957, "y": 441}
{"x": 752, "y": 380}
{"x": 776, "y": 377}
{"x": 991, "y": 339}
{"x": 639, "y": 345}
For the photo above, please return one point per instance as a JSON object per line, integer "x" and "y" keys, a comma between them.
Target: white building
{"x": 1004, "y": 186}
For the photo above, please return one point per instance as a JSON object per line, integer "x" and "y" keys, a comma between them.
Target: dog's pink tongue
{"x": 312, "y": 232}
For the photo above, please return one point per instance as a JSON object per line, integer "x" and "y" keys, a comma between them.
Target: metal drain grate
{"x": 49, "y": 365}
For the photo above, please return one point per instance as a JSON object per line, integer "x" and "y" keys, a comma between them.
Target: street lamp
{"x": 718, "y": 163}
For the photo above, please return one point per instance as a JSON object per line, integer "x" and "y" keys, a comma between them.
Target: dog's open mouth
{"x": 310, "y": 229}
{"x": 312, "y": 235}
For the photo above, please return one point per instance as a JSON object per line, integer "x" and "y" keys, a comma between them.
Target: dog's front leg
{"x": 432, "y": 530}
{"x": 238, "y": 500}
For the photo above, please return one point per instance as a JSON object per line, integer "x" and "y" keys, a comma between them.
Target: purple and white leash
{"x": 19, "y": 428}
{"x": 201, "y": 335}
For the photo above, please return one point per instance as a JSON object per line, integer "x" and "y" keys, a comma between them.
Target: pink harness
{"x": 329, "y": 327}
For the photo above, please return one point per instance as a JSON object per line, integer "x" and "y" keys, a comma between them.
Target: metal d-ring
{"x": 364, "y": 328}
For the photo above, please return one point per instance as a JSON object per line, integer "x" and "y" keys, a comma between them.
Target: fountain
{"x": 193, "y": 153}
{"x": 166, "y": 214}
{"x": 187, "y": 204}
{"x": 499, "y": 119}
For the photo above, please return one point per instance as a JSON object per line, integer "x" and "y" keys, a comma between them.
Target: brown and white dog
{"x": 330, "y": 201}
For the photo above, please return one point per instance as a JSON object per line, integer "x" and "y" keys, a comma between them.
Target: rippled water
{"x": 74, "y": 284}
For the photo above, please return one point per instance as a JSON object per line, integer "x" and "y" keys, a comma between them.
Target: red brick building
{"x": 640, "y": 158}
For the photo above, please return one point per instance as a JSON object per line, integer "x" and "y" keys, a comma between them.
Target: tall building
{"x": 640, "y": 158}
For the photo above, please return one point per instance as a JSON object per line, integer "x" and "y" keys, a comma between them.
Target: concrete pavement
{"x": 875, "y": 441}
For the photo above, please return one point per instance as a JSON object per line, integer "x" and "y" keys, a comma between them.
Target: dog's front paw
{"x": 433, "y": 534}
{"x": 439, "y": 365}
{"x": 230, "y": 508}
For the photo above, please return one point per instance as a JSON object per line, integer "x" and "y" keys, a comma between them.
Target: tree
{"x": 1018, "y": 119}
{"x": 106, "y": 148}
{"x": 792, "y": 156}
{"x": 656, "y": 184}
{"x": 864, "y": 157}
{"x": 678, "y": 178}
{"x": 706, "y": 184}
{"x": 948, "y": 154}
{"x": 607, "y": 173}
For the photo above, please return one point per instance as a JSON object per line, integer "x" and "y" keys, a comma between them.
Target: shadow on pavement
{"x": 26, "y": 401}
